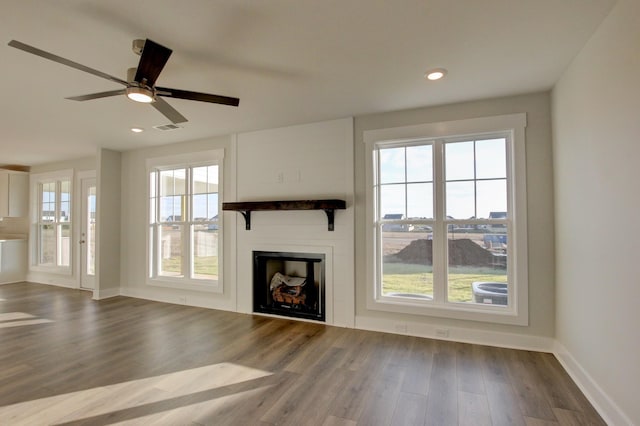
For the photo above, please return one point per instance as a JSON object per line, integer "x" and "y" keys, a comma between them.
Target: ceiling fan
{"x": 140, "y": 85}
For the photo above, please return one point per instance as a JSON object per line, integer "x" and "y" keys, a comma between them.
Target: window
{"x": 53, "y": 224}
{"x": 448, "y": 219}
{"x": 184, "y": 222}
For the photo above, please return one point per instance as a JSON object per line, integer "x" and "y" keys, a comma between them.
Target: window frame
{"x": 512, "y": 126}
{"x": 188, "y": 162}
{"x": 37, "y": 182}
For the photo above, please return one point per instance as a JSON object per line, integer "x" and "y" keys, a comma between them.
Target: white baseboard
{"x": 200, "y": 302}
{"x": 606, "y": 407}
{"x": 51, "y": 279}
{"x": 105, "y": 293}
{"x": 463, "y": 335}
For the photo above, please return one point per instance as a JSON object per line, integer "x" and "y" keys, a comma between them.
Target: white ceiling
{"x": 289, "y": 62}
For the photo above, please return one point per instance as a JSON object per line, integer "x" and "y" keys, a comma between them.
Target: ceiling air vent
{"x": 166, "y": 127}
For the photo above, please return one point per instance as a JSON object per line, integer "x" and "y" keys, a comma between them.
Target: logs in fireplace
{"x": 289, "y": 284}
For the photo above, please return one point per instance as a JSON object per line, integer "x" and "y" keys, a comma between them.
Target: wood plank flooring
{"x": 68, "y": 360}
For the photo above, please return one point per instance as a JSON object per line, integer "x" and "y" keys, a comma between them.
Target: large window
{"x": 448, "y": 217}
{"x": 184, "y": 223}
{"x": 53, "y": 224}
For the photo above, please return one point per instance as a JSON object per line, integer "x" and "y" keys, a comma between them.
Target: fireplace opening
{"x": 289, "y": 284}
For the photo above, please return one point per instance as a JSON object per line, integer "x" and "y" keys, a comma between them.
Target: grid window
{"x": 53, "y": 227}
{"x": 185, "y": 232}
{"x": 447, "y": 239}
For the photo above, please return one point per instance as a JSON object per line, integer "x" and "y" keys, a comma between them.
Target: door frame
{"x": 81, "y": 177}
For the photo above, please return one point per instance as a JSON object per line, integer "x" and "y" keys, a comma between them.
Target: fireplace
{"x": 289, "y": 284}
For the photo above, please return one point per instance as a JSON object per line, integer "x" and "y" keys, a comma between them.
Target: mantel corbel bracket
{"x": 247, "y": 219}
{"x": 330, "y": 217}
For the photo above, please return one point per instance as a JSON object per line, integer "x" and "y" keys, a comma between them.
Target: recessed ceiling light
{"x": 435, "y": 74}
{"x": 137, "y": 130}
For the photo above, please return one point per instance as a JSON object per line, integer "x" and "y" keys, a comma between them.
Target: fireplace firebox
{"x": 289, "y": 284}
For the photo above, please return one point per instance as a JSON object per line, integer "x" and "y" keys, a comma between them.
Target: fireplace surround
{"x": 289, "y": 284}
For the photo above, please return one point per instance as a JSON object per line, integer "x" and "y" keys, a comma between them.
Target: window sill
{"x": 51, "y": 270}
{"x": 479, "y": 313}
{"x": 186, "y": 284}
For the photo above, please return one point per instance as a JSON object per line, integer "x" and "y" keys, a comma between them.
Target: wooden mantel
{"x": 246, "y": 207}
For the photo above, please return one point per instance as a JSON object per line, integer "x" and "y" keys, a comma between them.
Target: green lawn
{"x": 204, "y": 265}
{"x": 418, "y": 279}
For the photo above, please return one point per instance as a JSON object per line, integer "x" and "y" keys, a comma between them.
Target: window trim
{"x": 515, "y": 124}
{"x": 35, "y": 182}
{"x": 190, "y": 160}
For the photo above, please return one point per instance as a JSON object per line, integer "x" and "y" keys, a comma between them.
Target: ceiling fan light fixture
{"x": 140, "y": 94}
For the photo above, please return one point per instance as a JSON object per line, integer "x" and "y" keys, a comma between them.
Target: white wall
{"x": 134, "y": 226}
{"x": 108, "y": 219}
{"x": 596, "y": 115}
{"x": 540, "y": 331}
{"x": 311, "y": 161}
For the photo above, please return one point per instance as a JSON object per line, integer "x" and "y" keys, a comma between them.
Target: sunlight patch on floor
{"x": 17, "y": 319}
{"x": 138, "y": 398}
{"x": 197, "y": 412}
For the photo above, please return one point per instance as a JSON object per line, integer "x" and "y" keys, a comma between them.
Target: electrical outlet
{"x": 183, "y": 299}
{"x": 442, "y": 332}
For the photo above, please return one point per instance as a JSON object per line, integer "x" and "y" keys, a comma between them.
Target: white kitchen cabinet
{"x": 13, "y": 260}
{"x": 14, "y": 193}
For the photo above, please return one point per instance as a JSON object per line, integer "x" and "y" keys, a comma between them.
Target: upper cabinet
{"x": 14, "y": 193}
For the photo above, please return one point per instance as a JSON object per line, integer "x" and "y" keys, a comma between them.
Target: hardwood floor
{"x": 68, "y": 360}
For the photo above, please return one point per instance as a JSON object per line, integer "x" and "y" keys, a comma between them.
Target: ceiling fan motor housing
{"x": 137, "y": 46}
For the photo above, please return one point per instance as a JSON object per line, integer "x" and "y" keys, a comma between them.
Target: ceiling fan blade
{"x": 153, "y": 59}
{"x": 63, "y": 61}
{"x": 97, "y": 95}
{"x": 168, "y": 111}
{"x": 197, "y": 96}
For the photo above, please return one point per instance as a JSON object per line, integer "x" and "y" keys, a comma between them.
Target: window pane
{"x": 47, "y": 244}
{"x": 213, "y": 206}
{"x": 152, "y": 210}
{"x": 152, "y": 184}
{"x": 392, "y": 166}
{"x": 65, "y": 211}
{"x": 173, "y": 182}
{"x": 200, "y": 203}
{"x": 392, "y": 202}
{"x": 65, "y": 201}
{"x": 460, "y": 200}
{"x": 491, "y": 197}
{"x": 64, "y": 245}
{"x": 407, "y": 259}
{"x": 459, "y": 161}
{"x": 171, "y": 250}
{"x": 49, "y": 192}
{"x": 205, "y": 251}
{"x": 419, "y": 164}
{"x": 205, "y": 188}
{"x": 477, "y": 270}
{"x": 48, "y": 207}
{"x": 491, "y": 159}
{"x": 171, "y": 208}
{"x": 420, "y": 200}
{"x": 90, "y": 238}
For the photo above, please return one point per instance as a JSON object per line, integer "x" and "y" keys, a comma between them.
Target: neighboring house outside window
{"x": 52, "y": 248}
{"x": 185, "y": 232}
{"x": 447, "y": 209}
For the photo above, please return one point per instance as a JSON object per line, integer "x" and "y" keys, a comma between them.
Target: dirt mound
{"x": 461, "y": 252}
